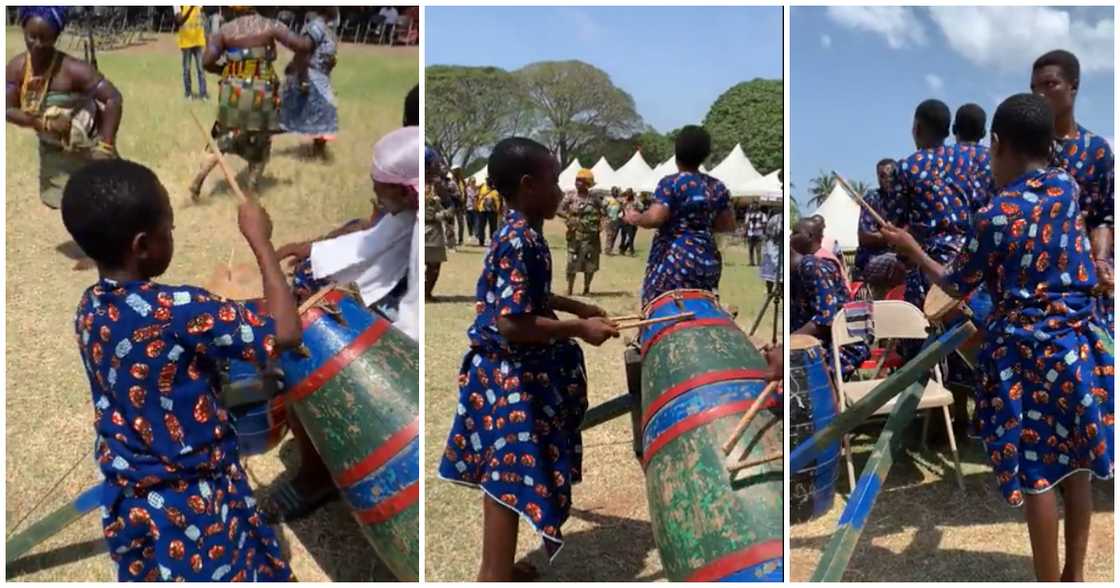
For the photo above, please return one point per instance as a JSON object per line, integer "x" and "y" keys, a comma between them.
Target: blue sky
{"x": 857, "y": 73}
{"x": 674, "y": 61}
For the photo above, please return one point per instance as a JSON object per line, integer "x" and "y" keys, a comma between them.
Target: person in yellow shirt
{"x": 192, "y": 40}
{"x": 488, "y": 205}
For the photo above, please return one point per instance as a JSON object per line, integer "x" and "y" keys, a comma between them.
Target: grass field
{"x": 608, "y": 537}
{"x": 48, "y": 402}
{"x": 924, "y": 529}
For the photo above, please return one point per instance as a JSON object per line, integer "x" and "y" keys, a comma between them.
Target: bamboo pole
{"x": 226, "y": 170}
{"x": 859, "y": 199}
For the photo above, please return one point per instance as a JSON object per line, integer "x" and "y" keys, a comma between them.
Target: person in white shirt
{"x": 390, "y": 15}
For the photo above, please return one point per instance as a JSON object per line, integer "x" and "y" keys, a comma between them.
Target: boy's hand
{"x": 597, "y": 330}
{"x": 297, "y": 251}
{"x": 901, "y": 240}
{"x": 591, "y": 311}
{"x": 254, "y": 222}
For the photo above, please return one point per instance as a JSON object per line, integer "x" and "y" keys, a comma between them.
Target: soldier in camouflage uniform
{"x": 583, "y": 212}
{"x": 435, "y": 217}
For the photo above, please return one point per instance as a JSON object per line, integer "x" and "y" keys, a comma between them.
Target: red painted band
{"x": 673, "y": 296}
{"x": 733, "y": 562}
{"x": 389, "y": 508}
{"x": 705, "y": 322}
{"x": 332, "y": 366}
{"x": 379, "y": 456}
{"x": 695, "y": 382}
{"x": 312, "y": 314}
{"x": 696, "y": 420}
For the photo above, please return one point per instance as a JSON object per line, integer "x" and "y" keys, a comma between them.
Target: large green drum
{"x": 698, "y": 378}
{"x": 355, "y": 389}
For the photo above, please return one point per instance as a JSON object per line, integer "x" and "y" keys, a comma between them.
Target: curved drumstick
{"x": 745, "y": 421}
{"x": 221, "y": 160}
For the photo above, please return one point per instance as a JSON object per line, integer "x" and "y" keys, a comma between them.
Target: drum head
{"x": 241, "y": 282}
{"x": 803, "y": 342}
{"x": 938, "y": 303}
{"x": 682, "y": 293}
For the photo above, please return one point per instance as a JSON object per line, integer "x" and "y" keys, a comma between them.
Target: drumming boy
{"x": 175, "y": 504}
{"x": 1044, "y": 400}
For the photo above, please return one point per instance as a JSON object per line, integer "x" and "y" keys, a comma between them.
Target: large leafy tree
{"x": 749, "y": 113}
{"x": 574, "y": 104}
{"x": 468, "y": 109}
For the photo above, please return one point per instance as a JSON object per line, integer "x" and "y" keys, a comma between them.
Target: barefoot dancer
{"x": 523, "y": 385}
{"x": 249, "y": 91}
{"x": 73, "y": 108}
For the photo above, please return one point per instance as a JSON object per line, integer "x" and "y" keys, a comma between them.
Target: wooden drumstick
{"x": 745, "y": 421}
{"x": 221, "y": 160}
{"x": 316, "y": 297}
{"x": 746, "y": 463}
{"x": 859, "y": 199}
{"x": 676, "y": 317}
{"x": 625, "y": 317}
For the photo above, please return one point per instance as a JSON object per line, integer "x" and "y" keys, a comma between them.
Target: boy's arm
{"x": 256, "y": 226}
{"x": 576, "y": 307}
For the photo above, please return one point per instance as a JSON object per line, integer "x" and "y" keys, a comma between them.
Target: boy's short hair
{"x": 511, "y": 159}
{"x": 1067, "y": 63}
{"x": 106, "y": 203}
{"x": 934, "y": 116}
{"x": 969, "y": 122}
{"x": 886, "y": 161}
{"x": 1025, "y": 124}
{"x": 693, "y": 145}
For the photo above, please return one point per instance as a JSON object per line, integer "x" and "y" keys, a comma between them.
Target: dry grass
{"x": 48, "y": 400}
{"x": 608, "y": 537}
{"x": 923, "y": 529}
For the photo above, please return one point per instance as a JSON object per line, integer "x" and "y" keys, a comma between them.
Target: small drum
{"x": 812, "y": 406}
{"x": 256, "y": 410}
{"x": 947, "y": 312}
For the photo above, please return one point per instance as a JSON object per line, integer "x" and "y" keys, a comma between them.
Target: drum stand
{"x": 775, "y": 298}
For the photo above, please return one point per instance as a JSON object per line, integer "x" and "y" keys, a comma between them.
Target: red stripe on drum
{"x": 725, "y": 322}
{"x": 387, "y": 509}
{"x": 313, "y": 314}
{"x": 733, "y": 562}
{"x": 392, "y": 446}
{"x": 686, "y": 425}
{"x": 332, "y": 366}
{"x": 696, "y": 382}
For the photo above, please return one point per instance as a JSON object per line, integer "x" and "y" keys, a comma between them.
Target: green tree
{"x": 468, "y": 109}
{"x": 794, "y": 213}
{"x": 574, "y": 104}
{"x": 820, "y": 187}
{"x": 859, "y": 186}
{"x": 749, "y": 114}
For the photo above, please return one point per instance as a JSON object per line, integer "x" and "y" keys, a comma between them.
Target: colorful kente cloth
{"x": 515, "y": 433}
{"x": 1044, "y": 403}
{"x": 1088, "y": 158}
{"x": 248, "y": 103}
{"x": 684, "y": 252}
{"x": 932, "y": 202}
{"x": 818, "y": 295}
{"x": 867, "y": 224}
{"x": 175, "y": 504}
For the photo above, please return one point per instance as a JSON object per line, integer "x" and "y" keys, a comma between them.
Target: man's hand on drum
{"x": 775, "y": 362}
{"x": 1104, "y": 273}
{"x": 297, "y": 252}
{"x": 597, "y": 330}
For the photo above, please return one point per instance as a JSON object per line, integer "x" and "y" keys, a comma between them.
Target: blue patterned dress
{"x": 175, "y": 504}
{"x": 974, "y": 169}
{"x": 1088, "y": 158}
{"x": 818, "y": 295}
{"x": 684, "y": 252}
{"x": 867, "y": 224}
{"x": 316, "y": 112}
{"x": 515, "y": 433}
{"x": 929, "y": 198}
{"x": 1044, "y": 403}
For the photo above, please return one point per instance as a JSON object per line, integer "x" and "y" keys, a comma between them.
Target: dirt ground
{"x": 608, "y": 537}
{"x": 48, "y": 403}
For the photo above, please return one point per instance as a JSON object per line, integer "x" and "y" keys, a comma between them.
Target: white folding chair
{"x": 894, "y": 319}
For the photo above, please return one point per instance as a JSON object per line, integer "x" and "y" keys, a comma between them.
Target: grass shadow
{"x": 452, "y": 299}
{"x": 614, "y": 549}
{"x": 54, "y": 557}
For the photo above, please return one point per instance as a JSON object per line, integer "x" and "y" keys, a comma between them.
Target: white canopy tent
{"x": 634, "y": 174}
{"x": 604, "y": 175}
{"x": 736, "y": 172}
{"x": 568, "y": 176}
{"x": 841, "y": 218}
{"x": 480, "y": 176}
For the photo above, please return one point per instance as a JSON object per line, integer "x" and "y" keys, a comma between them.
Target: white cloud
{"x": 1010, "y": 38}
{"x": 585, "y": 26}
{"x": 899, "y": 25}
{"x": 826, "y": 41}
{"x": 935, "y": 82}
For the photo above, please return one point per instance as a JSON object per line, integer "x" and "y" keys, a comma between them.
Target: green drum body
{"x": 355, "y": 389}
{"x": 698, "y": 378}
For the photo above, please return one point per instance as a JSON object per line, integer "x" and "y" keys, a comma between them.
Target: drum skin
{"x": 812, "y": 406}
{"x": 355, "y": 389}
{"x": 698, "y": 378}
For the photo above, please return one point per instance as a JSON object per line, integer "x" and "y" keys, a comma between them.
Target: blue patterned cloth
{"x": 930, "y": 199}
{"x": 175, "y": 504}
{"x": 1088, "y": 158}
{"x": 515, "y": 433}
{"x": 316, "y": 112}
{"x": 1044, "y": 403}
{"x": 875, "y": 198}
{"x": 818, "y": 295}
{"x": 684, "y": 253}
{"x": 974, "y": 168}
